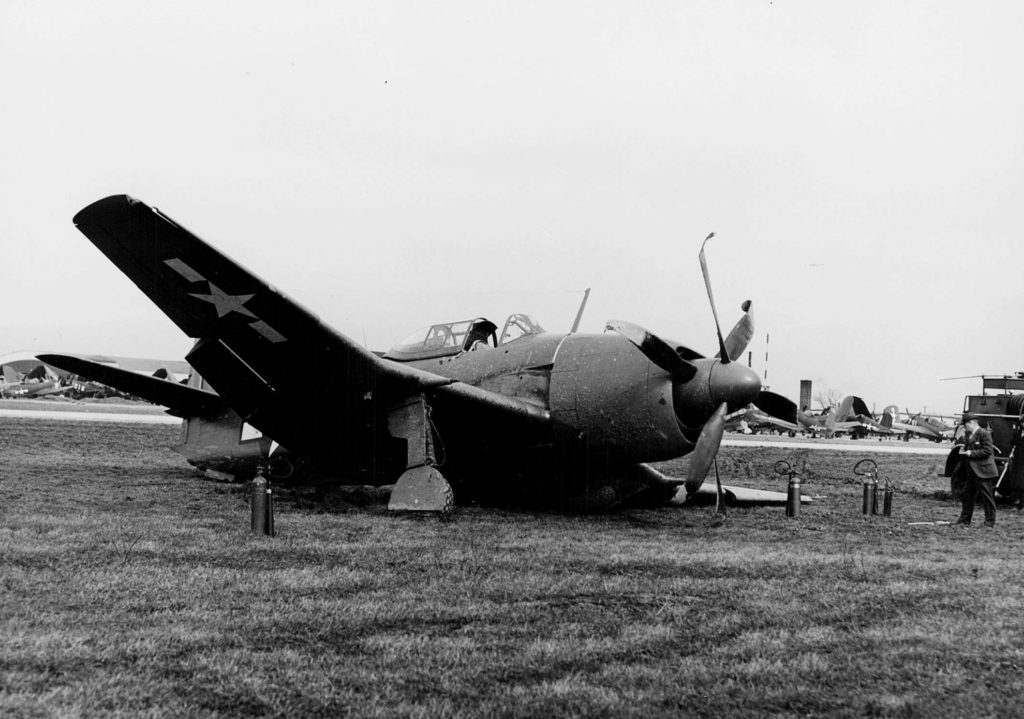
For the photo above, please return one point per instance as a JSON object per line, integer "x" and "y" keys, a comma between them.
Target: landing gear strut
{"x": 421, "y": 487}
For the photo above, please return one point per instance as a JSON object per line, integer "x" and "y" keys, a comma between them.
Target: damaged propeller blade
{"x": 776, "y": 405}
{"x": 740, "y": 335}
{"x": 706, "y": 450}
{"x": 723, "y": 353}
{"x": 656, "y": 349}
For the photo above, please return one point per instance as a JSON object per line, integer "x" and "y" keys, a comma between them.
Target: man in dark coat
{"x": 978, "y": 465}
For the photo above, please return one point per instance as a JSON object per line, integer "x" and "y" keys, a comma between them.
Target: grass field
{"x": 130, "y": 587}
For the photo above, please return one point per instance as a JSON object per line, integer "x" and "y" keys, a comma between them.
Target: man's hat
{"x": 968, "y": 417}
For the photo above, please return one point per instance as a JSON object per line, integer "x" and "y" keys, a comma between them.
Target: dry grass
{"x": 128, "y": 586}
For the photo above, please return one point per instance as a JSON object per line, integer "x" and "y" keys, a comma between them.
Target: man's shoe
{"x": 965, "y": 522}
{"x": 990, "y": 522}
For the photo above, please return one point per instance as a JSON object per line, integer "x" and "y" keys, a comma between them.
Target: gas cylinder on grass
{"x": 868, "y": 468}
{"x": 792, "y": 489}
{"x": 793, "y": 496}
{"x": 262, "y": 505}
{"x": 887, "y": 494}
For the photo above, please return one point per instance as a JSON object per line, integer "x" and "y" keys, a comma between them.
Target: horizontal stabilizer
{"x": 180, "y": 400}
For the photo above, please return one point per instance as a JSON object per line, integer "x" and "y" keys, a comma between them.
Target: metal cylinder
{"x": 887, "y": 501}
{"x": 268, "y": 519}
{"x": 793, "y": 498}
{"x": 262, "y": 506}
{"x": 870, "y": 505}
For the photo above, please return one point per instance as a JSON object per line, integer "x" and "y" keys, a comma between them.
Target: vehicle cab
{"x": 1000, "y": 408}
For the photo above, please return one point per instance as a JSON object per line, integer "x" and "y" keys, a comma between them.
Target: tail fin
{"x": 830, "y": 420}
{"x": 846, "y": 408}
{"x": 889, "y": 415}
{"x": 860, "y": 407}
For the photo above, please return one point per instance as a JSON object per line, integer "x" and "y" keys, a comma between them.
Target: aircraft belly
{"x": 216, "y": 443}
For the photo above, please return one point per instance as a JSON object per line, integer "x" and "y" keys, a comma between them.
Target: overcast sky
{"x": 395, "y": 164}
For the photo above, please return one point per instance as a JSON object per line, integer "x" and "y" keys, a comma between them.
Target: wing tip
{"x": 112, "y": 207}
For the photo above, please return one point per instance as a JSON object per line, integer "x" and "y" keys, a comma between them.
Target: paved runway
{"x": 852, "y": 445}
{"x": 85, "y": 411}
{"x": 151, "y": 414}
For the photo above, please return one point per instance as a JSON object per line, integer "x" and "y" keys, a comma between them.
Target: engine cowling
{"x": 610, "y": 397}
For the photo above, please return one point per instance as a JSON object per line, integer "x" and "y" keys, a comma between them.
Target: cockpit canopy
{"x": 464, "y": 336}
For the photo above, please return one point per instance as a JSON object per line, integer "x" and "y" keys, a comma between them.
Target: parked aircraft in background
{"x": 36, "y": 381}
{"x": 522, "y": 415}
{"x": 751, "y": 420}
{"x": 25, "y": 375}
{"x": 851, "y": 416}
{"x": 932, "y": 428}
{"x": 827, "y": 422}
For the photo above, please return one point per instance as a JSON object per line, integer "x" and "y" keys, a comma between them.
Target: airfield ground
{"x": 129, "y": 586}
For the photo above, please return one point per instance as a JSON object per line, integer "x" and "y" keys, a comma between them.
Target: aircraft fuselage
{"x": 604, "y": 396}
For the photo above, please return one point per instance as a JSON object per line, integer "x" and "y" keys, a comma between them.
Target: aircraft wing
{"x": 848, "y": 424}
{"x": 271, "y": 360}
{"x": 915, "y": 429}
{"x": 180, "y": 400}
{"x": 763, "y": 419}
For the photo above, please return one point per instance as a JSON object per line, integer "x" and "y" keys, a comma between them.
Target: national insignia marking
{"x": 267, "y": 331}
{"x": 224, "y": 302}
{"x": 184, "y": 270}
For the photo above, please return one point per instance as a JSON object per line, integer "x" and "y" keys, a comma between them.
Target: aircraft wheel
{"x": 422, "y": 489}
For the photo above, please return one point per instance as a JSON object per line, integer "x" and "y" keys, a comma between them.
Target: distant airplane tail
{"x": 830, "y": 420}
{"x": 889, "y": 415}
{"x": 846, "y": 408}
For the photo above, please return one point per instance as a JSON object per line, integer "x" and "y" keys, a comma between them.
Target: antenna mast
{"x": 579, "y": 313}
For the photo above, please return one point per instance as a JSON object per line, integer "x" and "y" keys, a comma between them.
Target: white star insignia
{"x": 224, "y": 302}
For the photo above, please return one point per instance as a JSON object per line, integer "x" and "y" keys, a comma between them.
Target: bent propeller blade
{"x": 776, "y": 405}
{"x": 719, "y": 494}
{"x": 706, "y": 450}
{"x": 723, "y": 353}
{"x": 655, "y": 349}
{"x": 740, "y": 335}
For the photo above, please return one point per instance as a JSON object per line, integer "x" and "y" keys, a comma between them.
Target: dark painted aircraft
{"x": 823, "y": 422}
{"x": 932, "y": 428}
{"x": 457, "y": 410}
{"x": 850, "y": 416}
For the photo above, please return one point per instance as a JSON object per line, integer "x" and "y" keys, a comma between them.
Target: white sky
{"x": 394, "y": 164}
